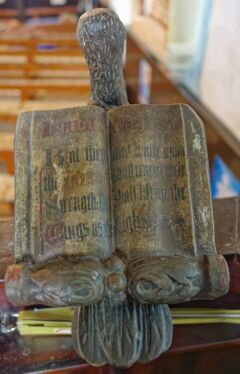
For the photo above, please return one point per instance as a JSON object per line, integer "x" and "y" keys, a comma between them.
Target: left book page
{"x": 62, "y": 203}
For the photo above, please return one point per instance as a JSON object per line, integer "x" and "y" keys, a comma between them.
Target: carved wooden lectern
{"x": 113, "y": 211}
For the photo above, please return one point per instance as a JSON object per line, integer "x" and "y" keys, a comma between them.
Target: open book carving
{"x": 113, "y": 211}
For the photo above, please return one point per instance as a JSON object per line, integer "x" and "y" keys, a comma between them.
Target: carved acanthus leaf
{"x": 158, "y": 279}
{"x": 121, "y": 334}
{"x": 56, "y": 284}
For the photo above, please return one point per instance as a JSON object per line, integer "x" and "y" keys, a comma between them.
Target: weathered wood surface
{"x": 227, "y": 225}
{"x": 173, "y": 221}
{"x": 226, "y": 220}
{"x": 6, "y": 245}
{"x": 209, "y": 349}
{"x": 148, "y": 243}
{"x": 11, "y": 109}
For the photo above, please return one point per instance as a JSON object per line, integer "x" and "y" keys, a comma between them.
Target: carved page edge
{"x": 22, "y": 246}
{"x": 199, "y": 183}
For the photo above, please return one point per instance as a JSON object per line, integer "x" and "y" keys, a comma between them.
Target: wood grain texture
{"x": 6, "y": 245}
{"x": 227, "y": 237}
{"x": 121, "y": 335}
{"x": 156, "y": 180}
{"x": 138, "y": 236}
{"x": 101, "y": 35}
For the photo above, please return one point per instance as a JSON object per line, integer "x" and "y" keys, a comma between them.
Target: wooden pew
{"x": 30, "y": 88}
{"x": 30, "y": 58}
{"x": 9, "y": 115}
{"x": 40, "y": 49}
{"x": 40, "y": 62}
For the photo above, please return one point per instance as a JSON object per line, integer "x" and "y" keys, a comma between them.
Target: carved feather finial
{"x": 101, "y": 34}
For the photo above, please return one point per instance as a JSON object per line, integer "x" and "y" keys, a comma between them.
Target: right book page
{"x": 152, "y": 185}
